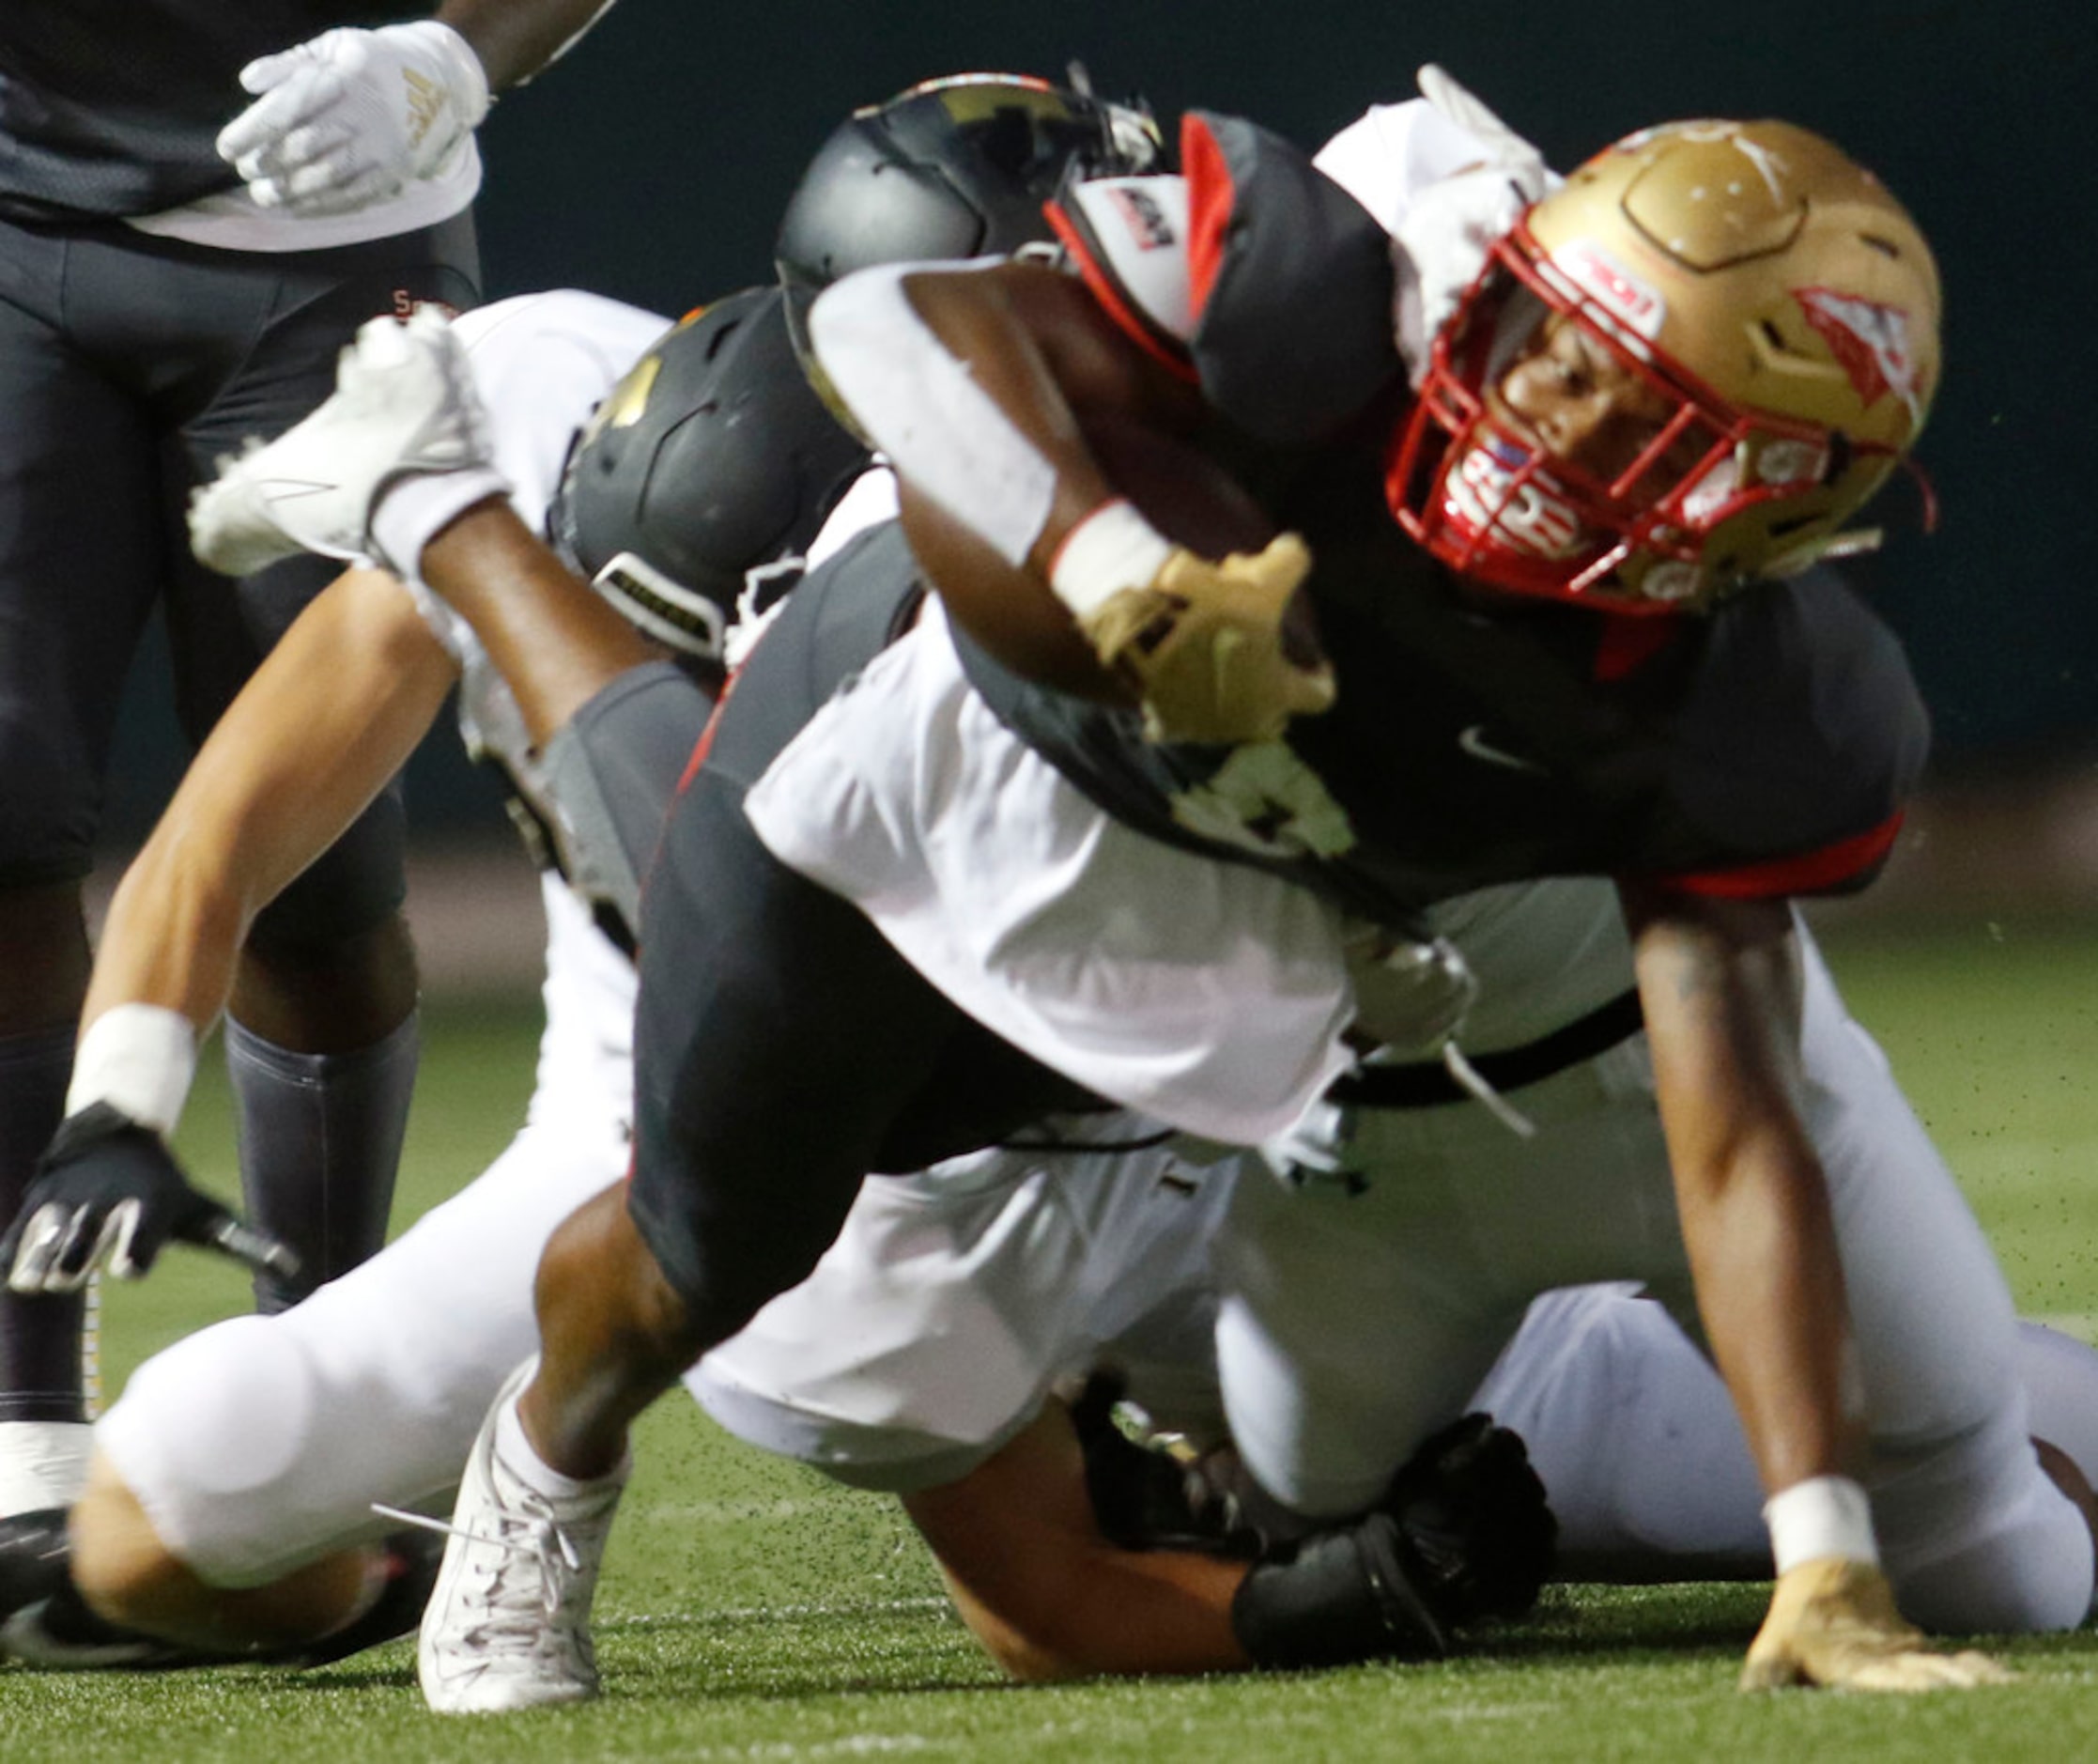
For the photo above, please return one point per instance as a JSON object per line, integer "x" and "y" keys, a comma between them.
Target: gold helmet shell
{"x": 1778, "y": 297}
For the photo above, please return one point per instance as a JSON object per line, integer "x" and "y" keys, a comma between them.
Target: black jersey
{"x": 111, "y": 107}
{"x": 1765, "y": 748}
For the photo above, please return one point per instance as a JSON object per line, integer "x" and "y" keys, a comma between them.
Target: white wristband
{"x": 139, "y": 1059}
{"x": 1821, "y": 1516}
{"x": 1114, "y": 547}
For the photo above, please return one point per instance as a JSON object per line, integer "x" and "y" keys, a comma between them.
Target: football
{"x": 1184, "y": 494}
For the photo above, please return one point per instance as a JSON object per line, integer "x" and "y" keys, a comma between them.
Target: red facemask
{"x": 1486, "y": 501}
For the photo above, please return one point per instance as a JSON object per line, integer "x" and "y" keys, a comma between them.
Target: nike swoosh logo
{"x": 1472, "y": 740}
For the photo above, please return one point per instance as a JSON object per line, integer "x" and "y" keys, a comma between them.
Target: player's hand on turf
{"x": 351, "y": 116}
{"x": 109, "y": 1194}
{"x": 1832, "y": 1622}
{"x": 404, "y": 408}
{"x": 1206, "y": 645}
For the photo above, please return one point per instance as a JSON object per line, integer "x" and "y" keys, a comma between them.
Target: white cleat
{"x": 404, "y": 403}
{"x": 42, "y": 1465}
{"x": 507, "y": 1626}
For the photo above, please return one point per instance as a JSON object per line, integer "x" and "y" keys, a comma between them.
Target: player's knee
{"x": 327, "y": 994}
{"x": 120, "y": 1564}
{"x": 2001, "y": 1549}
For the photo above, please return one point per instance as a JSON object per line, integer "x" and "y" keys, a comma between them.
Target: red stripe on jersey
{"x": 1629, "y": 642}
{"x": 1100, "y": 283}
{"x": 1210, "y": 199}
{"x": 1848, "y": 860}
{"x": 705, "y": 743}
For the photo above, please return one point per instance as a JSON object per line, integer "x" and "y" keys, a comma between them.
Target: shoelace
{"x": 542, "y": 1541}
{"x": 1474, "y": 1081}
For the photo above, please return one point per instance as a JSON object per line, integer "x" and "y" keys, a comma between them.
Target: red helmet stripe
{"x": 1211, "y": 197}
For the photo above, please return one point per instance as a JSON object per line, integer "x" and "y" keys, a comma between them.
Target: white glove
{"x": 404, "y": 418}
{"x": 352, "y": 117}
{"x": 1449, "y": 225}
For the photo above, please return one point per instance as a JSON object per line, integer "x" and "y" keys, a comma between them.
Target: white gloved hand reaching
{"x": 1450, "y": 226}
{"x": 352, "y": 117}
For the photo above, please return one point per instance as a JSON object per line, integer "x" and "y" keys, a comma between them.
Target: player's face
{"x": 1576, "y": 400}
{"x": 1574, "y": 447}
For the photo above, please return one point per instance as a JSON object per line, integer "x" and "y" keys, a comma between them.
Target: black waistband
{"x": 1428, "y": 1085}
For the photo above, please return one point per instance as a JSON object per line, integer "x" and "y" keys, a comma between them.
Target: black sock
{"x": 39, "y": 1338}
{"x": 320, "y": 1144}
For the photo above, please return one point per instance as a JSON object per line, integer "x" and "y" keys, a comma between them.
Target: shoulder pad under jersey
{"x": 1803, "y": 732}
{"x": 1290, "y": 284}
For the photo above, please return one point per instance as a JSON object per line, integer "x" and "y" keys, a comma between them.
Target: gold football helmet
{"x": 1773, "y": 312}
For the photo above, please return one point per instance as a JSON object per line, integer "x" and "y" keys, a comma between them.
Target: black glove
{"x": 1473, "y": 1523}
{"x": 1336, "y": 1598}
{"x": 1143, "y": 1497}
{"x": 109, "y": 1193}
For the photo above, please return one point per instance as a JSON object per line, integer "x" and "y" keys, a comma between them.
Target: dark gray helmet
{"x": 714, "y": 456}
{"x": 956, "y": 167}
{"x": 710, "y": 458}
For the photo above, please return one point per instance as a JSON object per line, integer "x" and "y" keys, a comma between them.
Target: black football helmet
{"x": 716, "y": 455}
{"x": 712, "y": 457}
{"x": 955, "y": 167}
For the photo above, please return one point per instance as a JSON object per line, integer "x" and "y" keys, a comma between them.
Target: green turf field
{"x": 752, "y": 1612}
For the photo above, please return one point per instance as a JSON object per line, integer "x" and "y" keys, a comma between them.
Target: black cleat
{"x": 412, "y": 1564}
{"x": 44, "y": 1622}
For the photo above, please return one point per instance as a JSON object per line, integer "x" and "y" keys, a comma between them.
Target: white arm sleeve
{"x": 924, "y": 409}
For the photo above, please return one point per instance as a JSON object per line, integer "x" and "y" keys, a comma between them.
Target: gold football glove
{"x": 1832, "y": 1622}
{"x": 1203, "y": 642}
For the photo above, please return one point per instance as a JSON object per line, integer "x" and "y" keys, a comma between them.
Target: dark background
{"x": 652, "y": 163}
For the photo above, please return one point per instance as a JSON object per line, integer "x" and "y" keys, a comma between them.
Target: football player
{"x": 199, "y": 205}
{"x": 1547, "y": 588}
{"x": 832, "y": 863}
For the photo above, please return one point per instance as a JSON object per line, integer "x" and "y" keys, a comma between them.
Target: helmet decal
{"x": 1149, "y": 224}
{"x": 1496, "y": 493}
{"x": 1633, "y": 302}
{"x": 1871, "y": 343}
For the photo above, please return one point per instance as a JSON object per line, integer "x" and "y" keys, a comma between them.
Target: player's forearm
{"x": 1116, "y": 1613}
{"x": 313, "y": 737}
{"x": 974, "y": 382}
{"x": 1718, "y": 982}
{"x": 977, "y": 383}
{"x": 1049, "y": 1597}
{"x": 173, "y": 936}
{"x": 1771, "y": 1293}
{"x": 516, "y": 39}
{"x": 555, "y": 643}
